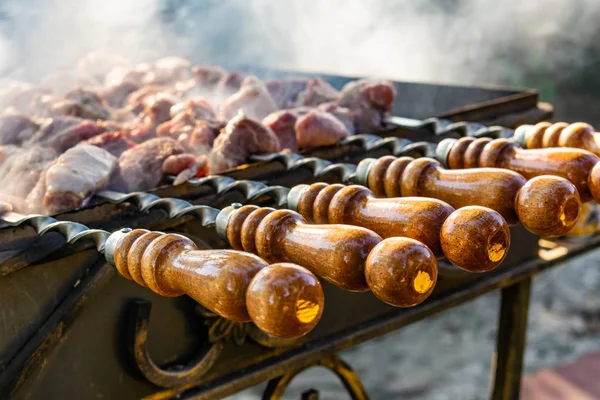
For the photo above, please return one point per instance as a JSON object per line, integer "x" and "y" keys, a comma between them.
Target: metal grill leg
{"x": 510, "y": 342}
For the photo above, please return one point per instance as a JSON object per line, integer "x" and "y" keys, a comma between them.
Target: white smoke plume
{"x": 460, "y": 41}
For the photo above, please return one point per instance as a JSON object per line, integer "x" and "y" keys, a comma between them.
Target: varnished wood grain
{"x": 471, "y": 254}
{"x": 561, "y": 134}
{"x": 220, "y": 280}
{"x": 575, "y": 165}
{"x": 336, "y": 253}
{"x": 487, "y": 187}
{"x": 401, "y": 272}
{"x": 417, "y": 218}
{"x": 294, "y": 304}
{"x": 548, "y": 206}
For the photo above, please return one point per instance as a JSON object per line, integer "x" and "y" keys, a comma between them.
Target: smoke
{"x": 457, "y": 41}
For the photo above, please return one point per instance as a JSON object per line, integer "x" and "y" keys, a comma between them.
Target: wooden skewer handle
{"x": 233, "y": 284}
{"x": 575, "y": 165}
{"x": 421, "y": 219}
{"x": 560, "y": 134}
{"x": 501, "y": 190}
{"x": 402, "y": 273}
{"x": 336, "y": 253}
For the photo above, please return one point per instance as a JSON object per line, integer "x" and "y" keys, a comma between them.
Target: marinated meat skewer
{"x": 171, "y": 265}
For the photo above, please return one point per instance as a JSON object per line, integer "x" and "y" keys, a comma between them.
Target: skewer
{"x": 546, "y": 205}
{"x": 349, "y": 257}
{"x": 575, "y": 165}
{"x": 233, "y": 284}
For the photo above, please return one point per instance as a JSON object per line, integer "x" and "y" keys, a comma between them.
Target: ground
{"x": 448, "y": 356}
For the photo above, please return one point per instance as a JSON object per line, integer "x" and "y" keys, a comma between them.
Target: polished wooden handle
{"x": 401, "y": 271}
{"x": 336, "y": 253}
{"x": 233, "y": 284}
{"x": 494, "y": 188}
{"x": 575, "y": 165}
{"x": 560, "y": 134}
{"x": 417, "y": 218}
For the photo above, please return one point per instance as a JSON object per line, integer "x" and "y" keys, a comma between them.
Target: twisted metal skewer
{"x": 72, "y": 231}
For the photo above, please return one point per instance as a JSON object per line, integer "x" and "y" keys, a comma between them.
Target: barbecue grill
{"x": 70, "y": 315}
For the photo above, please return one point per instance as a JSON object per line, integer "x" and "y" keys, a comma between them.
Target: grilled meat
{"x": 241, "y": 137}
{"x": 369, "y": 100}
{"x": 141, "y": 167}
{"x": 113, "y": 142}
{"x": 16, "y": 128}
{"x": 253, "y": 99}
{"x": 72, "y": 178}
{"x": 319, "y": 128}
{"x": 162, "y": 117}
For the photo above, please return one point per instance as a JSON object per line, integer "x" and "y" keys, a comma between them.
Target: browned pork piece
{"x": 283, "y": 124}
{"x": 82, "y": 103}
{"x": 116, "y": 95}
{"x": 208, "y": 77}
{"x": 185, "y": 166}
{"x": 20, "y": 170}
{"x": 253, "y": 99}
{"x": 317, "y": 91}
{"x": 203, "y": 135}
{"x": 65, "y": 132}
{"x": 369, "y": 100}
{"x": 241, "y": 137}
{"x": 16, "y": 128}
{"x": 319, "y": 128}
{"x": 72, "y": 178}
{"x": 198, "y": 107}
{"x": 141, "y": 167}
{"x": 285, "y": 91}
{"x": 156, "y": 111}
{"x": 113, "y": 142}
{"x": 345, "y": 115}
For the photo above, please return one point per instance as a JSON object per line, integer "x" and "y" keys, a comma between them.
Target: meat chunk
{"x": 82, "y": 103}
{"x": 282, "y": 123}
{"x": 16, "y": 128}
{"x": 203, "y": 135}
{"x": 116, "y": 95}
{"x": 241, "y": 137}
{"x": 185, "y": 166}
{"x": 317, "y": 91}
{"x": 168, "y": 70}
{"x": 319, "y": 128}
{"x": 285, "y": 91}
{"x": 253, "y": 99}
{"x": 141, "y": 168}
{"x": 345, "y": 115}
{"x": 199, "y": 107}
{"x": 183, "y": 122}
{"x": 78, "y": 133}
{"x": 64, "y": 133}
{"x": 369, "y": 100}
{"x": 157, "y": 110}
{"x": 52, "y": 127}
{"x": 207, "y": 77}
{"x": 113, "y": 142}
{"x": 75, "y": 176}
{"x": 21, "y": 169}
